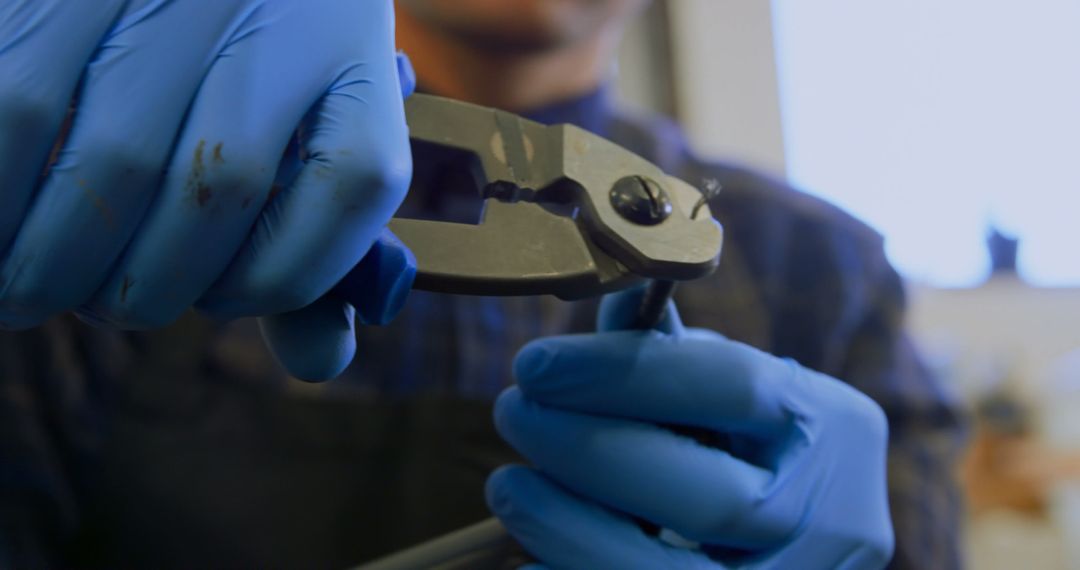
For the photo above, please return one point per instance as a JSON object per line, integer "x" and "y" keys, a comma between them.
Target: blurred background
{"x": 951, "y": 127}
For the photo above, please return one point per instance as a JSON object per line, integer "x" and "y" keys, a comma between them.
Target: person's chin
{"x": 530, "y": 26}
{"x": 531, "y": 41}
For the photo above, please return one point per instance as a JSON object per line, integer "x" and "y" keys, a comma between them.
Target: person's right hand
{"x": 170, "y": 186}
{"x": 763, "y": 463}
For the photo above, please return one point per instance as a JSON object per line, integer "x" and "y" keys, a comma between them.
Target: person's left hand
{"x": 799, "y": 483}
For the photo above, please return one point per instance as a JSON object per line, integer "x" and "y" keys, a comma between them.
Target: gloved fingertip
{"x": 393, "y": 297}
{"x": 534, "y": 360}
{"x": 497, "y": 489}
{"x": 505, "y": 406}
{"x": 380, "y": 284}
{"x": 509, "y": 492}
{"x": 399, "y": 291}
{"x": 315, "y": 343}
{"x": 406, "y": 74}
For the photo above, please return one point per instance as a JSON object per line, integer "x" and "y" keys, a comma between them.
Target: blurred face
{"x": 522, "y": 25}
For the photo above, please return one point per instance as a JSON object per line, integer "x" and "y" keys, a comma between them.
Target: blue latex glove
{"x": 317, "y": 342}
{"x": 161, "y": 190}
{"x": 801, "y": 485}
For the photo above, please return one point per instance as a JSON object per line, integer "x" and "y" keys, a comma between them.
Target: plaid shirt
{"x": 187, "y": 446}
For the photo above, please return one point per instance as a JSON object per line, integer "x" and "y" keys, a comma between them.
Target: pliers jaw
{"x": 567, "y": 213}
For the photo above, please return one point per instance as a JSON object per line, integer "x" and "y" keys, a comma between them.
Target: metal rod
{"x": 445, "y": 551}
{"x": 654, "y": 304}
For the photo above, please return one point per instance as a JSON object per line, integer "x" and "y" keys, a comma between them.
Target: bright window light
{"x": 932, "y": 119}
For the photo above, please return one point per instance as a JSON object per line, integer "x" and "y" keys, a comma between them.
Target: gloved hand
{"x": 800, "y": 483}
{"x": 163, "y": 192}
{"x": 317, "y": 342}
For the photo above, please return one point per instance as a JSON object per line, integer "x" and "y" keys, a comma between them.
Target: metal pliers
{"x": 566, "y": 212}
